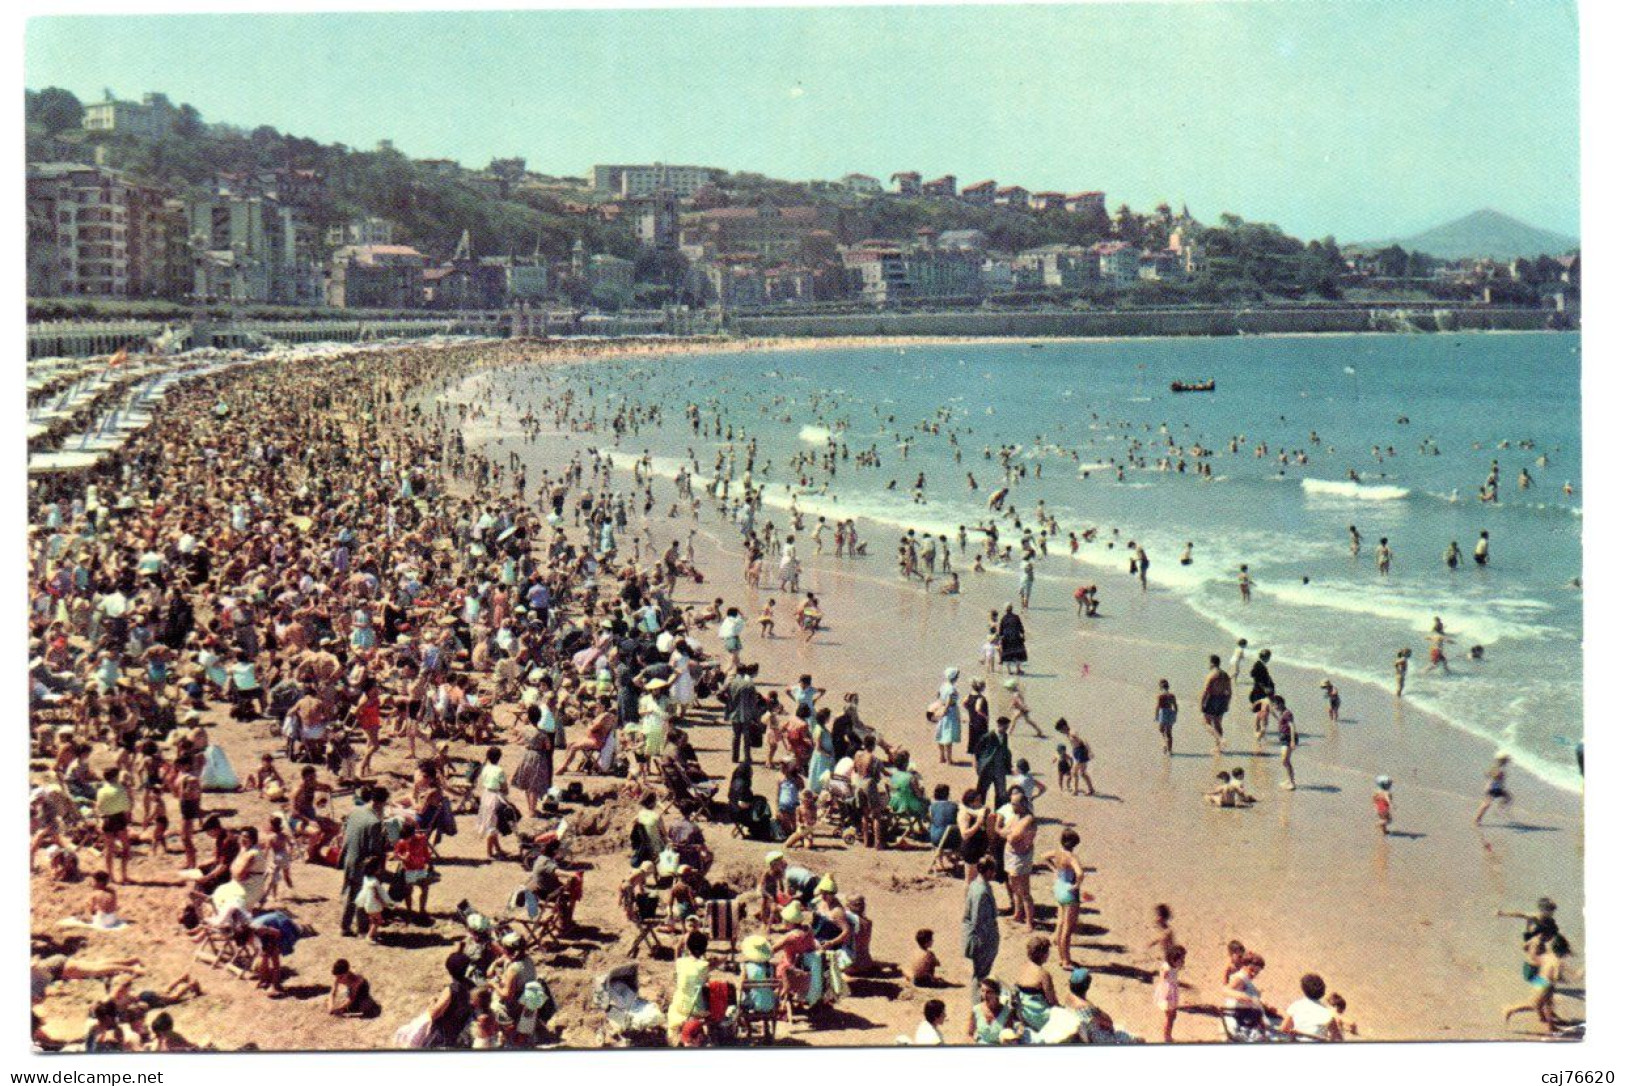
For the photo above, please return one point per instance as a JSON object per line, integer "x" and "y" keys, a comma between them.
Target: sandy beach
{"x": 1403, "y": 927}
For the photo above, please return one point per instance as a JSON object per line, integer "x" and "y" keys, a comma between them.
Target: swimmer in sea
{"x": 1402, "y": 665}
{"x": 1354, "y": 541}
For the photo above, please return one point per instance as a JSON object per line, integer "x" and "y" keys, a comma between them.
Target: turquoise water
{"x": 1080, "y": 410}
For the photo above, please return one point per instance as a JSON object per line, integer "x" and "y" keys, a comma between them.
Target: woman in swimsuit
{"x": 1068, "y": 893}
{"x": 1034, "y": 987}
{"x": 973, "y": 831}
{"x": 990, "y": 1015}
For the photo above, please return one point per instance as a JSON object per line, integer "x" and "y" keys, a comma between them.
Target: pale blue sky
{"x": 1363, "y": 118}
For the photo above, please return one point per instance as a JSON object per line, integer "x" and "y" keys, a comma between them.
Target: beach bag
{"x": 217, "y": 775}
{"x": 507, "y": 817}
{"x": 934, "y": 712}
{"x": 415, "y": 1034}
{"x": 446, "y": 819}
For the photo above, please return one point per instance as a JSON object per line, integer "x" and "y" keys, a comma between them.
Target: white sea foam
{"x": 1479, "y": 622}
{"x": 815, "y": 435}
{"x": 1373, "y": 492}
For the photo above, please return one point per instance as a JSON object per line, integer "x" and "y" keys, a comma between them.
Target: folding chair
{"x": 722, "y": 923}
{"x": 758, "y": 1026}
{"x": 647, "y": 927}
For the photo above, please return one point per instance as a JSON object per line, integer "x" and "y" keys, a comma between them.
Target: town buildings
{"x": 151, "y": 118}
{"x": 376, "y": 277}
{"x": 680, "y": 181}
{"x": 94, "y": 233}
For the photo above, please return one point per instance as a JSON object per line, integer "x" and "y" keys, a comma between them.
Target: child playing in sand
{"x": 1081, "y": 756}
{"x": 279, "y": 851}
{"x": 1223, "y": 795}
{"x": 1234, "y": 951}
{"x": 1165, "y": 992}
{"x": 1495, "y": 787}
{"x": 1345, "y": 1026}
{"x": 1334, "y": 701}
{"x": 806, "y": 822}
{"x": 1019, "y": 709}
{"x": 1238, "y": 781}
{"x": 765, "y": 620}
{"x": 922, "y": 970}
{"x": 1383, "y": 800}
{"x": 1030, "y": 785}
{"x": 1166, "y": 713}
{"x": 1162, "y": 923}
{"x": 267, "y": 780}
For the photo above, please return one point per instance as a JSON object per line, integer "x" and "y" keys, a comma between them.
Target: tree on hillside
{"x": 188, "y": 121}
{"x": 1128, "y": 226}
{"x": 54, "y": 109}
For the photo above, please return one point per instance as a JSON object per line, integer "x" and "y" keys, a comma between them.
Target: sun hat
{"x": 950, "y": 674}
{"x": 534, "y": 996}
{"x": 1385, "y": 782}
{"x": 826, "y": 885}
{"x": 773, "y": 857}
{"x": 756, "y": 948}
{"x": 513, "y": 940}
{"x": 793, "y": 913}
{"x": 1009, "y": 684}
{"x": 478, "y": 923}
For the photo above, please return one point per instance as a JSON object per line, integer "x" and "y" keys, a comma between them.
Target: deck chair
{"x": 684, "y": 799}
{"x": 644, "y": 915}
{"x": 458, "y": 784}
{"x": 722, "y": 927}
{"x": 757, "y": 1025}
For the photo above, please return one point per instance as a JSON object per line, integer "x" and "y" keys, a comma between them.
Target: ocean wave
{"x": 1373, "y": 492}
{"x": 815, "y": 435}
{"x": 1481, "y": 622}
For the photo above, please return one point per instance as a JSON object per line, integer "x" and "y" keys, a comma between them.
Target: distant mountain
{"x": 1484, "y": 233}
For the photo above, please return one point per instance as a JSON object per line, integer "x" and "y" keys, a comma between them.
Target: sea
{"x": 1397, "y": 433}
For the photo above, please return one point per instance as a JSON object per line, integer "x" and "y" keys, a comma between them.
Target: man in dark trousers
{"x": 363, "y": 839}
{"x": 744, "y": 704}
{"x": 993, "y": 762}
{"x": 981, "y": 921}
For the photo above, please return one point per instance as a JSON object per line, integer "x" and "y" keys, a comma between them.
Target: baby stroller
{"x": 630, "y": 1021}
{"x": 839, "y": 801}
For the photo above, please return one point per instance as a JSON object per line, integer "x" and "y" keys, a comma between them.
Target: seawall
{"x": 1149, "y": 322}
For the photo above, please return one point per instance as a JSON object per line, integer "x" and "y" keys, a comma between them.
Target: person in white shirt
{"x": 1239, "y": 659}
{"x": 930, "y": 1029}
{"x": 1309, "y": 1017}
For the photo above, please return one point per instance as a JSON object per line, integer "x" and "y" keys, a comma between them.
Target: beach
{"x": 1403, "y": 926}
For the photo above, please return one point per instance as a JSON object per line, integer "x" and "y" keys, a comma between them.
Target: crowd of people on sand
{"x": 310, "y": 559}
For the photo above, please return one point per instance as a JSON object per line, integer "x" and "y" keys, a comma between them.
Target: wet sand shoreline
{"x": 1403, "y": 927}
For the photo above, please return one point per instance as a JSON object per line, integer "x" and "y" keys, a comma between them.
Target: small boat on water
{"x": 1192, "y": 386}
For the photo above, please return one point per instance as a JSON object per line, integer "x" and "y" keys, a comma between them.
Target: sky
{"x": 1366, "y": 119}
